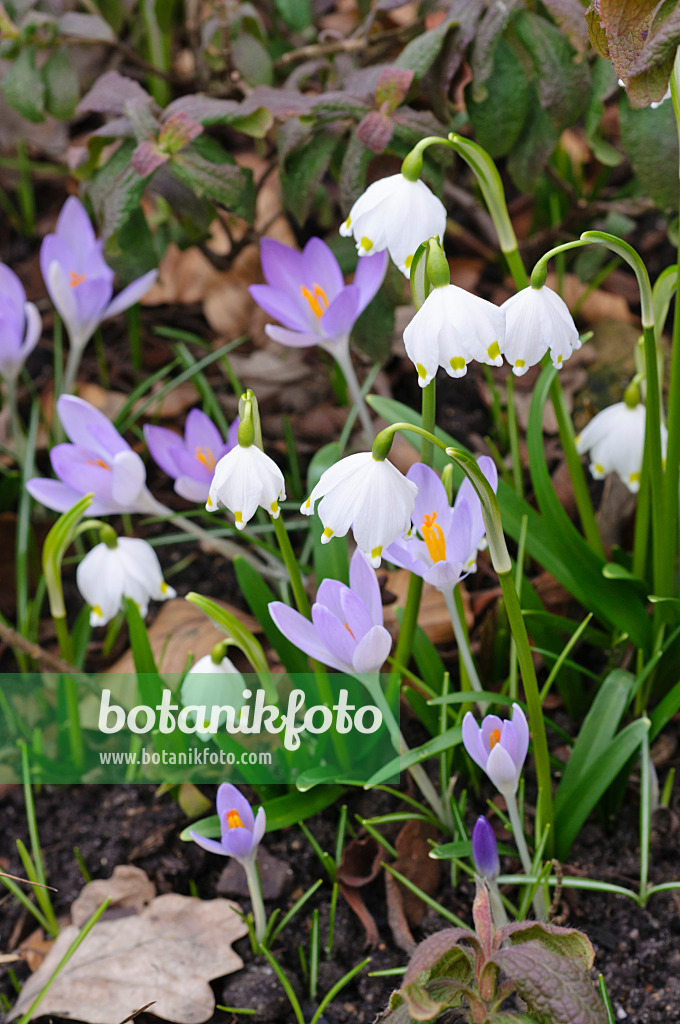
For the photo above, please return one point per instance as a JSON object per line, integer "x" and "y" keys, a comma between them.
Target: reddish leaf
{"x": 147, "y": 158}
{"x": 393, "y": 85}
{"x": 178, "y": 131}
{"x": 375, "y": 131}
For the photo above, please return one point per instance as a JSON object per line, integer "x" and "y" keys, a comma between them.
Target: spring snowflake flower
{"x": 451, "y": 328}
{"x": 111, "y": 572}
{"x": 368, "y": 494}
{"x": 245, "y": 478}
{"x": 537, "y": 320}
{"x": 209, "y": 684}
{"x": 499, "y": 746}
{"x": 396, "y": 214}
{"x": 615, "y": 441}
{"x": 346, "y": 631}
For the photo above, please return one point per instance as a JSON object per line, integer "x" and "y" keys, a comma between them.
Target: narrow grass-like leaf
{"x": 258, "y": 595}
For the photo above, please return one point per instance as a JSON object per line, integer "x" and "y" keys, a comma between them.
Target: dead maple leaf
{"x": 129, "y": 889}
{"x": 166, "y": 955}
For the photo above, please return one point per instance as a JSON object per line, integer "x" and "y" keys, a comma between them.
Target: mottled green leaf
{"x": 499, "y": 118}
{"x": 302, "y": 170}
{"x": 61, "y": 84}
{"x": 567, "y": 942}
{"x": 650, "y": 139}
{"x": 562, "y": 82}
{"x": 393, "y": 85}
{"x": 209, "y": 170}
{"x": 620, "y": 17}
{"x": 534, "y": 146}
{"x": 116, "y": 190}
{"x": 353, "y": 171}
{"x": 553, "y": 987}
{"x": 24, "y": 88}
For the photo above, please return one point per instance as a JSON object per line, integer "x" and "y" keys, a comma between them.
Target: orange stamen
{"x": 316, "y": 299}
{"x": 205, "y": 456}
{"x": 98, "y": 462}
{"x": 75, "y": 279}
{"x": 434, "y": 538}
{"x": 494, "y": 738}
{"x": 234, "y": 820}
{"x": 350, "y": 631}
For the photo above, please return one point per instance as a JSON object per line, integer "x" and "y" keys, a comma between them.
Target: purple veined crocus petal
{"x": 163, "y": 445}
{"x": 444, "y": 575}
{"x": 229, "y": 798}
{"x": 192, "y": 490}
{"x": 329, "y": 594}
{"x": 355, "y": 614}
{"x": 336, "y": 636}
{"x": 62, "y": 297}
{"x": 74, "y": 226}
{"x": 364, "y": 582}
{"x": 57, "y": 495}
{"x": 33, "y": 330}
{"x": 281, "y": 265}
{"x": 369, "y": 275}
{"x": 281, "y": 306}
{"x": 522, "y": 731}
{"x": 129, "y": 478}
{"x": 88, "y": 427}
{"x": 188, "y": 464}
{"x": 459, "y": 545}
{"x": 259, "y": 826}
{"x": 501, "y": 769}
{"x": 130, "y": 295}
{"x": 92, "y": 298}
{"x": 320, "y": 267}
{"x": 201, "y": 432}
{"x": 301, "y": 632}
{"x": 239, "y": 843}
{"x": 372, "y": 650}
{"x": 431, "y": 498}
{"x": 472, "y": 740}
{"x": 490, "y": 723}
{"x": 293, "y": 339}
{"x": 402, "y": 553}
{"x": 11, "y": 288}
{"x": 509, "y": 740}
{"x": 55, "y": 250}
{"x": 342, "y": 313}
{"x": 79, "y": 469}
{"x": 211, "y": 845}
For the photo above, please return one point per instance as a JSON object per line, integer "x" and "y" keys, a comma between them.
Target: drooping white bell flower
{"x": 244, "y": 478}
{"x": 451, "y": 328}
{"x": 615, "y": 441}
{"x": 209, "y": 684}
{"x": 111, "y": 572}
{"x": 537, "y": 320}
{"x": 396, "y": 214}
{"x": 368, "y": 494}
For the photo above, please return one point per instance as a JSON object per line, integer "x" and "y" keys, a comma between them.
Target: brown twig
{"x": 351, "y": 45}
{"x": 35, "y": 651}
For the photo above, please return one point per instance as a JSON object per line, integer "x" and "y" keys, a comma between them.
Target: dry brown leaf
{"x": 361, "y": 860}
{"x": 414, "y": 862}
{"x": 129, "y": 889}
{"x": 181, "y": 629}
{"x": 34, "y": 949}
{"x": 165, "y": 955}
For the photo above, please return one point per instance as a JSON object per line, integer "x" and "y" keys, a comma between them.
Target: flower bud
{"x": 485, "y": 850}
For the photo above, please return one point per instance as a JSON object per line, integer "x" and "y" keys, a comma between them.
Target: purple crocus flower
{"x": 98, "y": 461}
{"x": 20, "y": 325}
{"x": 80, "y": 282}
{"x": 242, "y": 831}
{"x": 191, "y": 460}
{"x": 450, "y": 536}
{"x": 346, "y": 631}
{"x": 485, "y": 850}
{"x": 306, "y": 292}
{"x": 499, "y": 746}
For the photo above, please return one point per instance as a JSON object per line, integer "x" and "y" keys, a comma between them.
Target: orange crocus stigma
{"x": 316, "y": 299}
{"x": 205, "y": 456}
{"x": 75, "y": 279}
{"x": 494, "y": 738}
{"x": 434, "y": 538}
{"x": 350, "y": 631}
{"x": 100, "y": 463}
{"x": 234, "y": 820}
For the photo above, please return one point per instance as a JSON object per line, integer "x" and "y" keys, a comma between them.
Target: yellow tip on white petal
{"x": 494, "y": 351}
{"x": 348, "y": 223}
{"x": 422, "y": 372}
{"x": 97, "y": 613}
{"x": 375, "y": 557}
{"x": 457, "y": 363}
{"x": 599, "y": 468}
{"x": 408, "y": 261}
{"x": 209, "y": 505}
{"x": 326, "y": 535}
{"x": 519, "y": 364}
{"x": 634, "y": 478}
{"x": 274, "y": 509}
{"x": 366, "y": 243}
{"x": 238, "y": 520}
{"x": 164, "y": 587}
{"x": 559, "y": 360}
{"x": 306, "y": 507}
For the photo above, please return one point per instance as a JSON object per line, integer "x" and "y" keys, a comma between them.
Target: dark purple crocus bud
{"x": 485, "y": 850}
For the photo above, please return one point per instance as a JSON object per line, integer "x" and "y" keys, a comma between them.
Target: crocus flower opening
{"x": 537, "y": 320}
{"x": 346, "y": 631}
{"x": 396, "y": 214}
{"x": 97, "y": 461}
{"x": 499, "y": 746}
{"x": 78, "y": 279}
{"x": 615, "y": 440}
{"x": 306, "y": 292}
{"x": 451, "y": 328}
{"x": 485, "y": 850}
{"x": 20, "y": 325}
{"x": 209, "y": 684}
{"x": 242, "y": 831}
{"x": 107, "y": 575}
{"x": 368, "y": 494}
{"x": 191, "y": 460}
{"x": 445, "y": 549}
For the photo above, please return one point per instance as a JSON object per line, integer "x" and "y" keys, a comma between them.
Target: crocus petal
{"x": 239, "y": 843}
{"x": 339, "y": 318}
{"x": 355, "y": 614}
{"x": 130, "y": 295}
{"x": 259, "y": 826}
{"x": 211, "y": 845}
{"x": 64, "y": 301}
{"x": 444, "y": 575}
{"x": 372, "y": 650}
{"x": 364, "y": 582}
{"x": 229, "y": 798}
{"x": 293, "y": 339}
{"x": 33, "y": 330}
{"x": 431, "y": 498}
{"x": 192, "y": 490}
{"x": 201, "y": 432}
{"x": 129, "y": 478}
{"x": 321, "y": 268}
{"x": 472, "y": 740}
{"x": 522, "y": 732}
{"x": 329, "y": 594}
{"x": 301, "y": 632}
{"x": 163, "y": 444}
{"x": 281, "y": 265}
{"x": 88, "y": 427}
{"x": 281, "y": 306}
{"x": 502, "y": 770}
{"x": 336, "y": 636}
{"x": 370, "y": 274}
{"x": 59, "y": 496}
{"x": 11, "y": 288}
{"x": 74, "y": 225}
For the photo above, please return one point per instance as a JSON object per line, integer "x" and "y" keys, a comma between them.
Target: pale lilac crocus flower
{"x": 346, "y": 631}
{"x": 499, "y": 746}
{"x": 98, "y": 461}
{"x": 306, "y": 292}
{"x": 80, "y": 282}
{"x": 191, "y": 460}
{"x": 20, "y": 325}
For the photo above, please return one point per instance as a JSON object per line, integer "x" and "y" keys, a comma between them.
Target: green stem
{"x": 75, "y": 734}
{"x": 516, "y": 268}
{"x": 660, "y": 560}
{"x": 642, "y": 517}
{"x": 672, "y": 483}
{"x": 464, "y": 652}
{"x": 344, "y": 361}
{"x": 63, "y": 638}
{"x": 513, "y": 436}
{"x": 522, "y": 849}
{"x": 255, "y": 890}
{"x": 292, "y": 567}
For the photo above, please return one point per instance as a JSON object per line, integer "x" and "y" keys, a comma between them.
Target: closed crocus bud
{"x": 116, "y": 569}
{"x": 537, "y": 320}
{"x": 485, "y": 850}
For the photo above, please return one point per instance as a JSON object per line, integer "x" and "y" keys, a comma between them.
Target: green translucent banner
{"x": 219, "y": 727}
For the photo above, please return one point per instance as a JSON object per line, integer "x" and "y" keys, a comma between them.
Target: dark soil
{"x": 637, "y": 950}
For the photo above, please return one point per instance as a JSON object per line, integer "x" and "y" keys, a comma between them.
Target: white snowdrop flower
{"x": 451, "y": 328}
{"x": 615, "y": 440}
{"x": 396, "y": 214}
{"x": 537, "y": 320}
{"x": 368, "y": 494}
{"x": 107, "y": 575}
{"x": 244, "y": 478}
{"x": 211, "y": 684}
